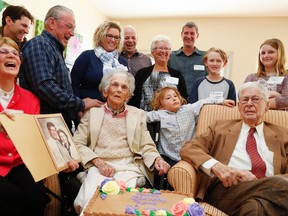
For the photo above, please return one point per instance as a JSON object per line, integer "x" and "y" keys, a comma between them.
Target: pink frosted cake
{"x": 114, "y": 199}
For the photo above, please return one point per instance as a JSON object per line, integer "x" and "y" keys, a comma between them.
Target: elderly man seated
{"x": 246, "y": 161}
{"x": 114, "y": 142}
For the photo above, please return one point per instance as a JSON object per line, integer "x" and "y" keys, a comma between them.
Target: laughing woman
{"x": 19, "y": 193}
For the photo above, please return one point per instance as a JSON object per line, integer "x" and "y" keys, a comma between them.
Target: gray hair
{"x": 261, "y": 87}
{"x": 160, "y": 38}
{"x": 56, "y": 12}
{"x": 106, "y": 80}
{"x": 190, "y": 25}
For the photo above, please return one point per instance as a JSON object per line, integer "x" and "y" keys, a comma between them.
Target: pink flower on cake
{"x": 195, "y": 210}
{"x": 121, "y": 184}
{"x": 111, "y": 188}
{"x": 145, "y": 213}
{"x": 179, "y": 209}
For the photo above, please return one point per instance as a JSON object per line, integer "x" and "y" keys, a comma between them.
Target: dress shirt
{"x": 240, "y": 158}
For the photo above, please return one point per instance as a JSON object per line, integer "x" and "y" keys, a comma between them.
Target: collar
{"x": 116, "y": 114}
{"x": 123, "y": 53}
{"x": 259, "y": 128}
{"x": 196, "y": 50}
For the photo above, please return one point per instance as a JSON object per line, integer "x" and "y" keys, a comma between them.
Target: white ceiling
{"x": 127, "y": 9}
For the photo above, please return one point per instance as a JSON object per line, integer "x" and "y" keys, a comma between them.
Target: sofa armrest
{"x": 183, "y": 178}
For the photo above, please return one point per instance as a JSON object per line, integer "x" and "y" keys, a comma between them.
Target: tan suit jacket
{"x": 139, "y": 139}
{"x": 219, "y": 142}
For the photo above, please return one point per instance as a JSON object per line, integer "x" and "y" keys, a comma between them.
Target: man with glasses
{"x": 136, "y": 60}
{"x": 16, "y": 23}
{"x": 245, "y": 160}
{"x": 44, "y": 72}
{"x": 188, "y": 59}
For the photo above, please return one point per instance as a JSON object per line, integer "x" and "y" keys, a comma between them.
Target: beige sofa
{"x": 183, "y": 177}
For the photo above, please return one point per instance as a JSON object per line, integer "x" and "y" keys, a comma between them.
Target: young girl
{"x": 177, "y": 120}
{"x": 213, "y": 84}
{"x": 272, "y": 72}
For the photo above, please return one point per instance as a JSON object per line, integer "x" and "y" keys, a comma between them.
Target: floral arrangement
{"x": 186, "y": 207}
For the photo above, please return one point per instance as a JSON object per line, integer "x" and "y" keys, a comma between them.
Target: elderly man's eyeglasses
{"x": 5, "y": 51}
{"x": 162, "y": 48}
{"x": 110, "y": 37}
{"x": 254, "y": 99}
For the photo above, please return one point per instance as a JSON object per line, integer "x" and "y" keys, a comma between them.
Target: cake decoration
{"x": 151, "y": 197}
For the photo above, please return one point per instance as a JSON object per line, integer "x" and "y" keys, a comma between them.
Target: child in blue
{"x": 214, "y": 84}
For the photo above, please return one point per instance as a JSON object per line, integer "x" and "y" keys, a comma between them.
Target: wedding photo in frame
{"x": 58, "y": 139}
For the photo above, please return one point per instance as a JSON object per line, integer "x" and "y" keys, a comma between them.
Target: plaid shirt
{"x": 44, "y": 72}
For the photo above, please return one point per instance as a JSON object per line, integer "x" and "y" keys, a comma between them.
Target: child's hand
{"x": 229, "y": 103}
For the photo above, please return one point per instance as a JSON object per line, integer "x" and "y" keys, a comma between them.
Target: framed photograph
{"x": 58, "y": 139}
{"x": 43, "y": 141}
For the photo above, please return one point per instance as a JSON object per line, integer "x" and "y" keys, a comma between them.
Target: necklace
{"x": 116, "y": 112}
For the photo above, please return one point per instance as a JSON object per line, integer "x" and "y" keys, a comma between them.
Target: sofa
{"x": 183, "y": 177}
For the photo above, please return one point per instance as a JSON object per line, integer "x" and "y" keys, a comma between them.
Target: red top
{"x": 28, "y": 103}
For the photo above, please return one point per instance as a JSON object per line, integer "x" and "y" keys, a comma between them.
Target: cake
{"x": 113, "y": 198}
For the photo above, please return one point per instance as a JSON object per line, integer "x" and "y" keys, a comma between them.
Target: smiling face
{"x": 18, "y": 29}
{"x": 63, "y": 28}
{"x": 63, "y": 138}
{"x": 214, "y": 63}
{"x": 170, "y": 101}
{"x": 9, "y": 62}
{"x": 268, "y": 56}
{"x": 130, "y": 41}
{"x": 189, "y": 36}
{"x": 112, "y": 39}
{"x": 161, "y": 52}
{"x": 252, "y": 105}
{"x": 117, "y": 93}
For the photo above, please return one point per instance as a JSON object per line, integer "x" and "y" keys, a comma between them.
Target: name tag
{"x": 275, "y": 80}
{"x": 199, "y": 67}
{"x": 168, "y": 122}
{"x": 216, "y": 96}
{"x": 172, "y": 80}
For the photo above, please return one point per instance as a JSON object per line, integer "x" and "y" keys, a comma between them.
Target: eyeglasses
{"x": 254, "y": 99}
{"x": 110, "y": 36}
{"x": 5, "y": 51}
{"x": 70, "y": 27}
{"x": 162, "y": 48}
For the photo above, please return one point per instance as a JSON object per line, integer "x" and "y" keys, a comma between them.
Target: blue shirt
{"x": 44, "y": 72}
{"x": 191, "y": 67}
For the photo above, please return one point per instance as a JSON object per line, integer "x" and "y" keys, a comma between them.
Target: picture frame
{"x": 59, "y": 151}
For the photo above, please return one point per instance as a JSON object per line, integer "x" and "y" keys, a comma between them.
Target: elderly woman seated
{"x": 114, "y": 142}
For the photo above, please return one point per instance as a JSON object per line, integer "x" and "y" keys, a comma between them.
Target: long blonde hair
{"x": 280, "y": 65}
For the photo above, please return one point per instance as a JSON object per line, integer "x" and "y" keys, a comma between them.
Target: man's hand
{"x": 229, "y": 103}
{"x": 72, "y": 166}
{"x": 92, "y": 103}
{"x": 161, "y": 166}
{"x": 104, "y": 168}
{"x": 227, "y": 175}
{"x": 244, "y": 175}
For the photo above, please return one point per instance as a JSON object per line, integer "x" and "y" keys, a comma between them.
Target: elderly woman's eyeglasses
{"x": 254, "y": 99}
{"x": 162, "y": 48}
{"x": 5, "y": 51}
{"x": 110, "y": 37}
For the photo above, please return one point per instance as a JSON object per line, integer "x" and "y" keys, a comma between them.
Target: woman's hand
{"x": 274, "y": 94}
{"x": 161, "y": 165}
{"x": 104, "y": 168}
{"x": 72, "y": 166}
{"x": 10, "y": 113}
{"x": 229, "y": 103}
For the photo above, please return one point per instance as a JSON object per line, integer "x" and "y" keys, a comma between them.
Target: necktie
{"x": 258, "y": 165}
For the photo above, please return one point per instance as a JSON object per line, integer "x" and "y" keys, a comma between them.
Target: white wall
{"x": 86, "y": 16}
{"x": 240, "y": 36}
